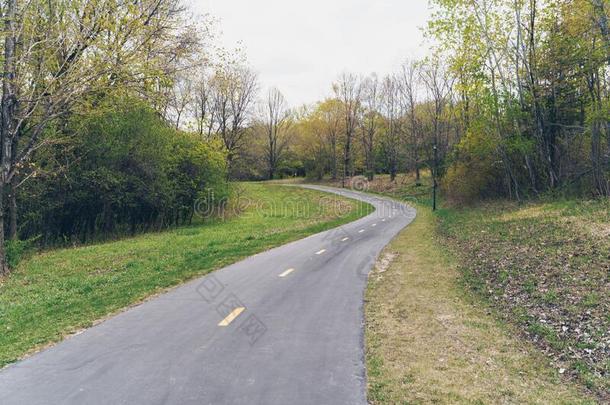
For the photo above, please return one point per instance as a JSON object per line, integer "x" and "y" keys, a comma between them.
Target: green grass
{"x": 55, "y": 293}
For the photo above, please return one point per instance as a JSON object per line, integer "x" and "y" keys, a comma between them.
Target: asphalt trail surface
{"x": 282, "y": 327}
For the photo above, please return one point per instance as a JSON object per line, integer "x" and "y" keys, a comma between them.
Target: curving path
{"x": 281, "y": 327}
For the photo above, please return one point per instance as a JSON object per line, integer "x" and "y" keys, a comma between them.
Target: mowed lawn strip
{"x": 58, "y": 292}
{"x": 429, "y": 341}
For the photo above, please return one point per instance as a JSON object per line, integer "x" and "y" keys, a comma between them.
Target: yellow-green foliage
{"x": 473, "y": 174}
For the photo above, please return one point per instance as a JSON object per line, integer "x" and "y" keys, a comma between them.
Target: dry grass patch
{"x": 428, "y": 341}
{"x": 548, "y": 274}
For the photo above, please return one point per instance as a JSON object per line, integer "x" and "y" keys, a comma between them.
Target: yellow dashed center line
{"x": 321, "y": 251}
{"x": 231, "y": 317}
{"x": 287, "y": 272}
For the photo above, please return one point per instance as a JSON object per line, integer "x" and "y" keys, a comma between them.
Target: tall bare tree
{"x": 180, "y": 100}
{"x": 204, "y": 112}
{"x": 276, "y": 121}
{"x": 370, "y": 121}
{"x": 437, "y": 83}
{"x": 348, "y": 90}
{"x": 235, "y": 90}
{"x": 407, "y": 83}
{"x": 391, "y": 110}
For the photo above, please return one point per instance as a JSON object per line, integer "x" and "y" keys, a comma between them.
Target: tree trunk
{"x": 416, "y": 162}
{"x": 393, "y": 172}
{"x": 370, "y": 166}
{"x": 414, "y": 141}
{"x": 598, "y": 175}
{"x": 229, "y": 165}
{"x": 12, "y": 201}
{"x": 4, "y": 270}
{"x": 272, "y": 158}
{"x": 334, "y": 160}
{"x": 7, "y": 117}
{"x": 346, "y": 159}
{"x": 532, "y": 174}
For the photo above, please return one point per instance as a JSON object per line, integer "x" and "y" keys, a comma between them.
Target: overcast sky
{"x": 300, "y": 46}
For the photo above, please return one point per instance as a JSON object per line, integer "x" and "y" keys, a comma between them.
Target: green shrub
{"x": 123, "y": 171}
{"x": 16, "y": 250}
{"x": 472, "y": 174}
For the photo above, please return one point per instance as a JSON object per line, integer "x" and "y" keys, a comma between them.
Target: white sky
{"x": 301, "y": 46}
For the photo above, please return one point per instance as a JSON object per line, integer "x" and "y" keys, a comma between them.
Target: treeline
{"x": 405, "y": 121}
{"x": 529, "y": 80}
{"x": 514, "y": 102}
{"x": 116, "y": 117}
{"x": 88, "y": 108}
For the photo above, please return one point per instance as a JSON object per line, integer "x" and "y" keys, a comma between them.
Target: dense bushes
{"x": 122, "y": 171}
{"x": 475, "y": 167}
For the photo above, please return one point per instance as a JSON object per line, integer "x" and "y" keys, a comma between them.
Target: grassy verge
{"x": 492, "y": 304}
{"x": 546, "y": 267}
{"x": 429, "y": 341}
{"x": 56, "y": 293}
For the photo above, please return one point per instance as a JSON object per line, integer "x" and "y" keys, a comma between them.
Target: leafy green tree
{"x": 58, "y": 53}
{"x": 129, "y": 171}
